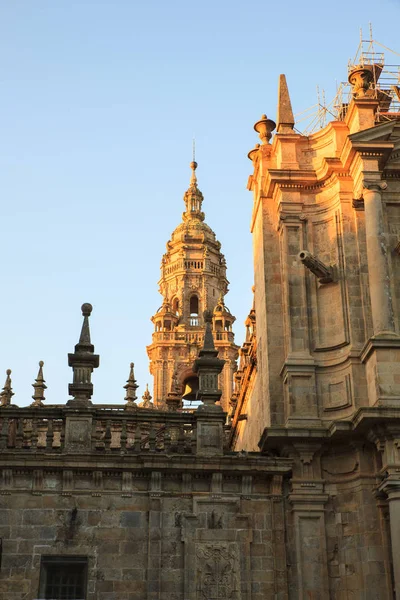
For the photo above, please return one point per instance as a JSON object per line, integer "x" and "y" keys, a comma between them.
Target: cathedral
{"x": 266, "y": 471}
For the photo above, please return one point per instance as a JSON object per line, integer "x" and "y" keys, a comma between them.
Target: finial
{"x": 193, "y": 198}
{"x": 193, "y": 179}
{"x": 85, "y": 333}
{"x": 147, "y": 403}
{"x": 253, "y": 152}
{"x": 174, "y": 400}
{"x": 7, "y": 393}
{"x": 360, "y": 78}
{"x": 264, "y": 128}
{"x": 39, "y": 386}
{"x": 83, "y": 361}
{"x": 208, "y": 366}
{"x": 131, "y": 387}
{"x": 285, "y": 118}
{"x": 194, "y": 150}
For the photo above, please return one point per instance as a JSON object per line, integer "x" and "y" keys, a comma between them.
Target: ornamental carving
{"x": 217, "y": 568}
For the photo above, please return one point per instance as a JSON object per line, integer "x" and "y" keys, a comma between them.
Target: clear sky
{"x": 99, "y": 103}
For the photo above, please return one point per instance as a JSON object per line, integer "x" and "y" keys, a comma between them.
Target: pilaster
{"x": 308, "y": 500}
{"x": 387, "y": 440}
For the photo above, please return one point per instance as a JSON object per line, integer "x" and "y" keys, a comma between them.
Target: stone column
{"x": 378, "y": 266}
{"x": 392, "y": 489}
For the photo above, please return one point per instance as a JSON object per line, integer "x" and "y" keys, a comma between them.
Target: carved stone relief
{"x": 217, "y": 569}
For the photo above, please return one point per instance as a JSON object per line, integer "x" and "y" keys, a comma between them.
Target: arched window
{"x": 194, "y": 305}
{"x": 175, "y": 306}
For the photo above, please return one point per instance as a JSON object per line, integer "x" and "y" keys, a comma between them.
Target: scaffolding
{"x": 384, "y": 87}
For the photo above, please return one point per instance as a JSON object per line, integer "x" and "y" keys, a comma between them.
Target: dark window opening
{"x": 63, "y": 578}
{"x": 194, "y": 306}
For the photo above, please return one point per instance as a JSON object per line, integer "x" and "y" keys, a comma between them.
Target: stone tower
{"x": 319, "y": 377}
{"x": 193, "y": 279}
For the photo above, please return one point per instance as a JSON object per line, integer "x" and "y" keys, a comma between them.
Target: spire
{"x": 208, "y": 349}
{"x": 7, "y": 393}
{"x": 39, "y": 386}
{"x": 131, "y": 387}
{"x": 147, "y": 403}
{"x": 84, "y": 340}
{"x": 208, "y": 367}
{"x": 193, "y": 198}
{"x": 83, "y": 361}
{"x": 285, "y": 118}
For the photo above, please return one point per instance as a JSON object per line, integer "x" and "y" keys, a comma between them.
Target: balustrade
{"x": 190, "y": 337}
{"x": 22, "y": 430}
{"x": 139, "y": 434}
{"x": 113, "y": 429}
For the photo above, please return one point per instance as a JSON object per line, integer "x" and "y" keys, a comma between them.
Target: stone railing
{"x": 104, "y": 429}
{"x": 192, "y": 337}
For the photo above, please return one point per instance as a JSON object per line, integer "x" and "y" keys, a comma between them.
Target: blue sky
{"x": 99, "y": 103}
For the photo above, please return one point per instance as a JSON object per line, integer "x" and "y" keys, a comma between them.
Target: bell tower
{"x": 193, "y": 279}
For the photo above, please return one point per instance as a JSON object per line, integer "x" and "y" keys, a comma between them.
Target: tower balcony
{"x": 191, "y": 337}
{"x": 194, "y": 265}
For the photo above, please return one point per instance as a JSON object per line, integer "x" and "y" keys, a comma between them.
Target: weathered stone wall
{"x": 337, "y": 527}
{"x": 164, "y": 546}
{"x": 356, "y": 526}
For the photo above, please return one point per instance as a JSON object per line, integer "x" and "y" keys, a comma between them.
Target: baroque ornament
{"x": 217, "y": 568}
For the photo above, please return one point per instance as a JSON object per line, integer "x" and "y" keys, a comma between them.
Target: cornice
{"x": 365, "y": 149}
{"x": 363, "y": 421}
{"x": 378, "y": 132}
{"x": 382, "y": 343}
{"x": 330, "y": 172}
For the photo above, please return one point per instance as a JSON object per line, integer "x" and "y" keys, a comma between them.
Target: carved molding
{"x": 377, "y": 186}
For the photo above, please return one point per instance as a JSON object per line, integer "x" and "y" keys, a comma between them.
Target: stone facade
{"x": 152, "y": 503}
{"x": 319, "y": 374}
{"x": 145, "y": 519}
